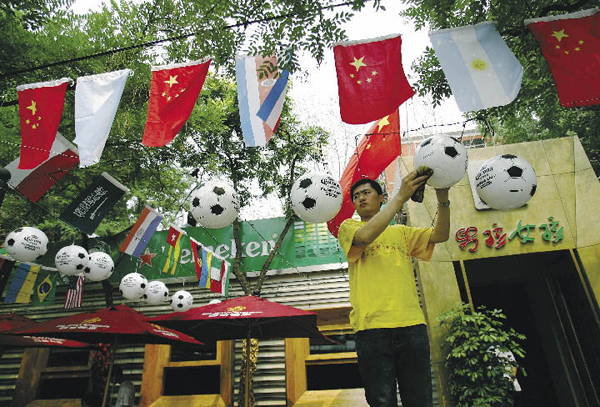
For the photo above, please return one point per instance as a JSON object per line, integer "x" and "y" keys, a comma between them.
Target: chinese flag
{"x": 378, "y": 148}
{"x": 174, "y": 90}
{"x": 571, "y": 46}
{"x": 40, "y": 109}
{"x": 371, "y": 81}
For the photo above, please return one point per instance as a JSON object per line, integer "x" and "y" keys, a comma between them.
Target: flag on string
{"x": 377, "y": 149}
{"x": 21, "y": 285}
{"x": 74, "y": 295}
{"x": 270, "y": 110}
{"x": 197, "y": 253}
{"x": 140, "y": 234}
{"x": 40, "y": 109}
{"x": 256, "y": 77}
{"x": 34, "y": 183}
{"x": 88, "y": 209}
{"x": 371, "y": 81}
{"x": 219, "y": 277}
{"x": 571, "y": 45}
{"x": 97, "y": 98}
{"x": 174, "y": 241}
{"x": 174, "y": 90}
{"x": 44, "y": 288}
{"x": 480, "y": 68}
{"x": 6, "y": 266}
{"x": 206, "y": 266}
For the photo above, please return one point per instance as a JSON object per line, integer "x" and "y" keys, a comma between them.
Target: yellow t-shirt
{"x": 383, "y": 292}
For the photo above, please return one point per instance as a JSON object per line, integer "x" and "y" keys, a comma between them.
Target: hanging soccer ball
{"x": 182, "y": 301}
{"x": 26, "y": 244}
{"x": 446, "y": 156}
{"x": 133, "y": 286}
{"x": 100, "y": 267}
{"x": 71, "y": 260}
{"x": 506, "y": 182}
{"x": 215, "y": 205}
{"x": 156, "y": 293}
{"x": 316, "y": 197}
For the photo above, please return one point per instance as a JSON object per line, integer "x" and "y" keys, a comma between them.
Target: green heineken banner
{"x": 305, "y": 244}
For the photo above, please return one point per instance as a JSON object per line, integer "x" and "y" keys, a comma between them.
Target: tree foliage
{"x": 536, "y": 114}
{"x": 476, "y": 375}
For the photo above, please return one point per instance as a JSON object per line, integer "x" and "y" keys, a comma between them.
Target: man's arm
{"x": 377, "y": 224}
{"x": 441, "y": 229}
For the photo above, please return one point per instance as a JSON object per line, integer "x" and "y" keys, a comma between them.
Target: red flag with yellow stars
{"x": 377, "y": 149}
{"x": 571, "y": 45}
{"x": 40, "y": 109}
{"x": 371, "y": 81}
{"x": 174, "y": 90}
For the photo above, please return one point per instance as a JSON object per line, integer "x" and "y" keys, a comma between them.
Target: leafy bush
{"x": 476, "y": 375}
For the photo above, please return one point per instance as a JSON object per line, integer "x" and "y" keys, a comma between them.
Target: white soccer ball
{"x": 71, "y": 260}
{"x": 506, "y": 182}
{"x": 100, "y": 266}
{"x": 446, "y": 156}
{"x": 215, "y": 205}
{"x": 182, "y": 301}
{"x": 26, "y": 244}
{"x": 133, "y": 286}
{"x": 316, "y": 197}
{"x": 156, "y": 293}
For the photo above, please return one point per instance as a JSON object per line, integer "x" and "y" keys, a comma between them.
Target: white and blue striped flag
{"x": 480, "y": 68}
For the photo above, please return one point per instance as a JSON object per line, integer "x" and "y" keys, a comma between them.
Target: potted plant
{"x": 481, "y": 371}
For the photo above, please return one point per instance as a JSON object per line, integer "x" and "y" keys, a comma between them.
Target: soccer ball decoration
{"x": 133, "y": 286}
{"x": 506, "y": 182}
{"x": 215, "y": 205}
{"x": 156, "y": 293}
{"x": 26, "y": 244}
{"x": 100, "y": 267}
{"x": 71, "y": 260}
{"x": 182, "y": 301}
{"x": 316, "y": 197}
{"x": 446, "y": 156}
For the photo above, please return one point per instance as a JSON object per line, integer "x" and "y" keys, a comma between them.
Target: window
{"x": 317, "y": 365}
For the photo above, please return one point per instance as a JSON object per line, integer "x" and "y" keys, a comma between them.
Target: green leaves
{"x": 476, "y": 374}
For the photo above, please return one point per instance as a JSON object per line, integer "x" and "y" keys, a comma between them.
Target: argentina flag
{"x": 480, "y": 68}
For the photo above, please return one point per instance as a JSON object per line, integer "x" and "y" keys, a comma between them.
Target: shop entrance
{"x": 545, "y": 296}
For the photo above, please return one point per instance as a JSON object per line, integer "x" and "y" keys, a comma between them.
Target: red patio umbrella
{"x": 243, "y": 318}
{"x": 115, "y": 325}
{"x": 12, "y": 321}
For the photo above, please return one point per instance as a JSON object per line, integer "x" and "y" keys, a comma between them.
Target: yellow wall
{"x": 567, "y": 190}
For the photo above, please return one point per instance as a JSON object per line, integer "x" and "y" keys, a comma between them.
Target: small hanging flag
{"x": 371, "y": 81}
{"x": 206, "y": 265}
{"x": 97, "y": 98}
{"x": 571, "y": 45}
{"x": 34, "y": 183}
{"x": 480, "y": 68}
{"x": 140, "y": 234}
{"x": 377, "y": 149}
{"x": 74, "y": 295}
{"x": 21, "y": 286}
{"x": 258, "y": 78}
{"x": 219, "y": 278}
{"x": 88, "y": 209}
{"x": 6, "y": 266}
{"x": 43, "y": 290}
{"x": 40, "y": 109}
{"x": 174, "y": 240}
{"x": 197, "y": 253}
{"x": 174, "y": 90}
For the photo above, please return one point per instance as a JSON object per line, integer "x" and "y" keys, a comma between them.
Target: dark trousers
{"x": 390, "y": 355}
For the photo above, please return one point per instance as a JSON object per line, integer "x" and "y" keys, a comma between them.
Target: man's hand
{"x": 410, "y": 183}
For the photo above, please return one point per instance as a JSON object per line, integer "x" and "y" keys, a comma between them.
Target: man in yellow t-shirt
{"x": 391, "y": 336}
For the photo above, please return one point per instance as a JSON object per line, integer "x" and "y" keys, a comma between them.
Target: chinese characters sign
{"x": 495, "y": 237}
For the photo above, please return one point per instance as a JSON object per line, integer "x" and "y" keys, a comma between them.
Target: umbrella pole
{"x": 247, "y": 381}
{"x": 110, "y": 369}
